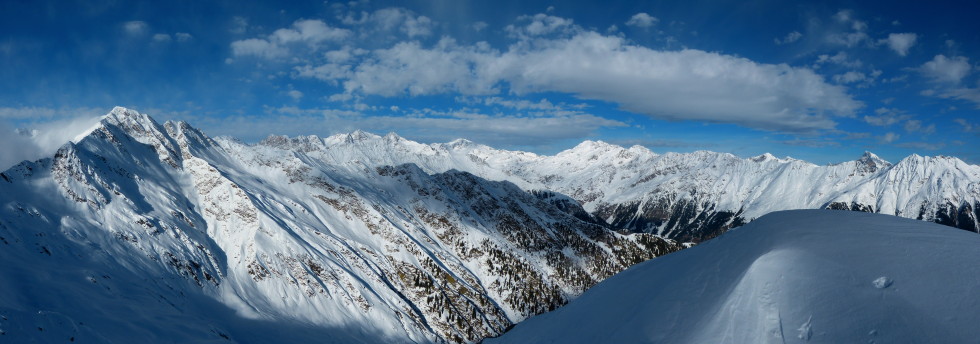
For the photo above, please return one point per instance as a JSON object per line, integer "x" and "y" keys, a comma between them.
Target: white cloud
{"x": 308, "y": 33}
{"x": 852, "y": 33}
{"x": 552, "y": 54}
{"x": 296, "y": 95}
{"x": 922, "y": 145}
{"x": 183, "y": 36}
{"x": 850, "y": 77}
{"x": 135, "y": 27}
{"x": 963, "y": 93}
{"x": 967, "y": 126}
{"x": 238, "y": 25}
{"x": 540, "y": 25}
{"x": 915, "y": 126}
{"x": 389, "y": 20}
{"x": 502, "y": 130}
{"x": 480, "y": 26}
{"x": 943, "y": 69}
{"x": 642, "y": 20}
{"x": 900, "y": 42}
{"x": 161, "y": 37}
{"x": 790, "y": 38}
{"x": 888, "y": 137}
{"x": 885, "y": 117}
{"x": 841, "y": 58}
{"x": 676, "y": 85}
{"x": 49, "y": 130}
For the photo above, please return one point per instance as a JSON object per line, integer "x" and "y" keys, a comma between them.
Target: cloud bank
{"x": 552, "y": 54}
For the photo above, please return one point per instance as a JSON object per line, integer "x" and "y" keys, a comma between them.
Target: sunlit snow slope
{"x": 156, "y": 232}
{"x": 788, "y": 277}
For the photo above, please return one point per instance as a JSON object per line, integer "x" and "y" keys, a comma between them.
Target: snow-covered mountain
{"x": 158, "y": 232}
{"x": 787, "y": 277}
{"x": 138, "y": 228}
{"x": 688, "y": 197}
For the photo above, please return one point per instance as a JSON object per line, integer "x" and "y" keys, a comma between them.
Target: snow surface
{"x": 157, "y": 232}
{"x": 788, "y": 277}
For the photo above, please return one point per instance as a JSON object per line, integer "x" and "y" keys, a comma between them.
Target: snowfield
{"x": 138, "y": 229}
{"x": 787, "y": 277}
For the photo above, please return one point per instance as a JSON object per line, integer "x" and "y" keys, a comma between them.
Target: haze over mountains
{"x": 359, "y": 237}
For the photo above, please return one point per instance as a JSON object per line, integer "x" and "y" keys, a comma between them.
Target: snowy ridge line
{"x": 140, "y": 221}
{"x": 684, "y": 196}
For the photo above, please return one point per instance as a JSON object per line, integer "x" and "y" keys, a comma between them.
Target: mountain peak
{"x": 457, "y": 143}
{"x": 121, "y": 114}
{"x": 359, "y": 135}
{"x": 764, "y": 157}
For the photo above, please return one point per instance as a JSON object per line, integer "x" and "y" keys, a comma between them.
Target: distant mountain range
{"x": 156, "y": 229}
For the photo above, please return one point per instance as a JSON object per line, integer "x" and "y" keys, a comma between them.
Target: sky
{"x": 822, "y": 81}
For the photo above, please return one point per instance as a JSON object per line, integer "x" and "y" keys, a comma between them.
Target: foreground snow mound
{"x": 791, "y": 276}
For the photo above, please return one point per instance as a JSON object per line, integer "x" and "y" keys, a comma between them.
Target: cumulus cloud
{"x": 309, "y": 33}
{"x": 183, "y": 36}
{"x": 944, "y": 69}
{"x": 901, "y": 42}
{"x": 642, "y": 20}
{"x": 790, "y": 38}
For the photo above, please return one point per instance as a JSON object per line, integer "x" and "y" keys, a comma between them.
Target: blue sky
{"x": 821, "y": 81}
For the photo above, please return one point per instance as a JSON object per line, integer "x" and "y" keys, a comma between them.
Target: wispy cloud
{"x": 135, "y": 27}
{"x": 42, "y": 131}
{"x": 789, "y": 38}
{"x": 426, "y": 125}
{"x": 642, "y": 20}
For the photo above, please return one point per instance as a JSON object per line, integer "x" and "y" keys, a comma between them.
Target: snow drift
{"x": 788, "y": 277}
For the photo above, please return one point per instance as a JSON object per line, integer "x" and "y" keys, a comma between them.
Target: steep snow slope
{"x": 788, "y": 277}
{"x": 689, "y": 197}
{"x": 157, "y": 231}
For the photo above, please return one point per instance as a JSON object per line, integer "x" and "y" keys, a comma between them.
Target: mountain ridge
{"x": 279, "y": 236}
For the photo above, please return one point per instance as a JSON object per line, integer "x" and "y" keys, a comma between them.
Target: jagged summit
{"x": 764, "y": 157}
{"x": 869, "y": 162}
